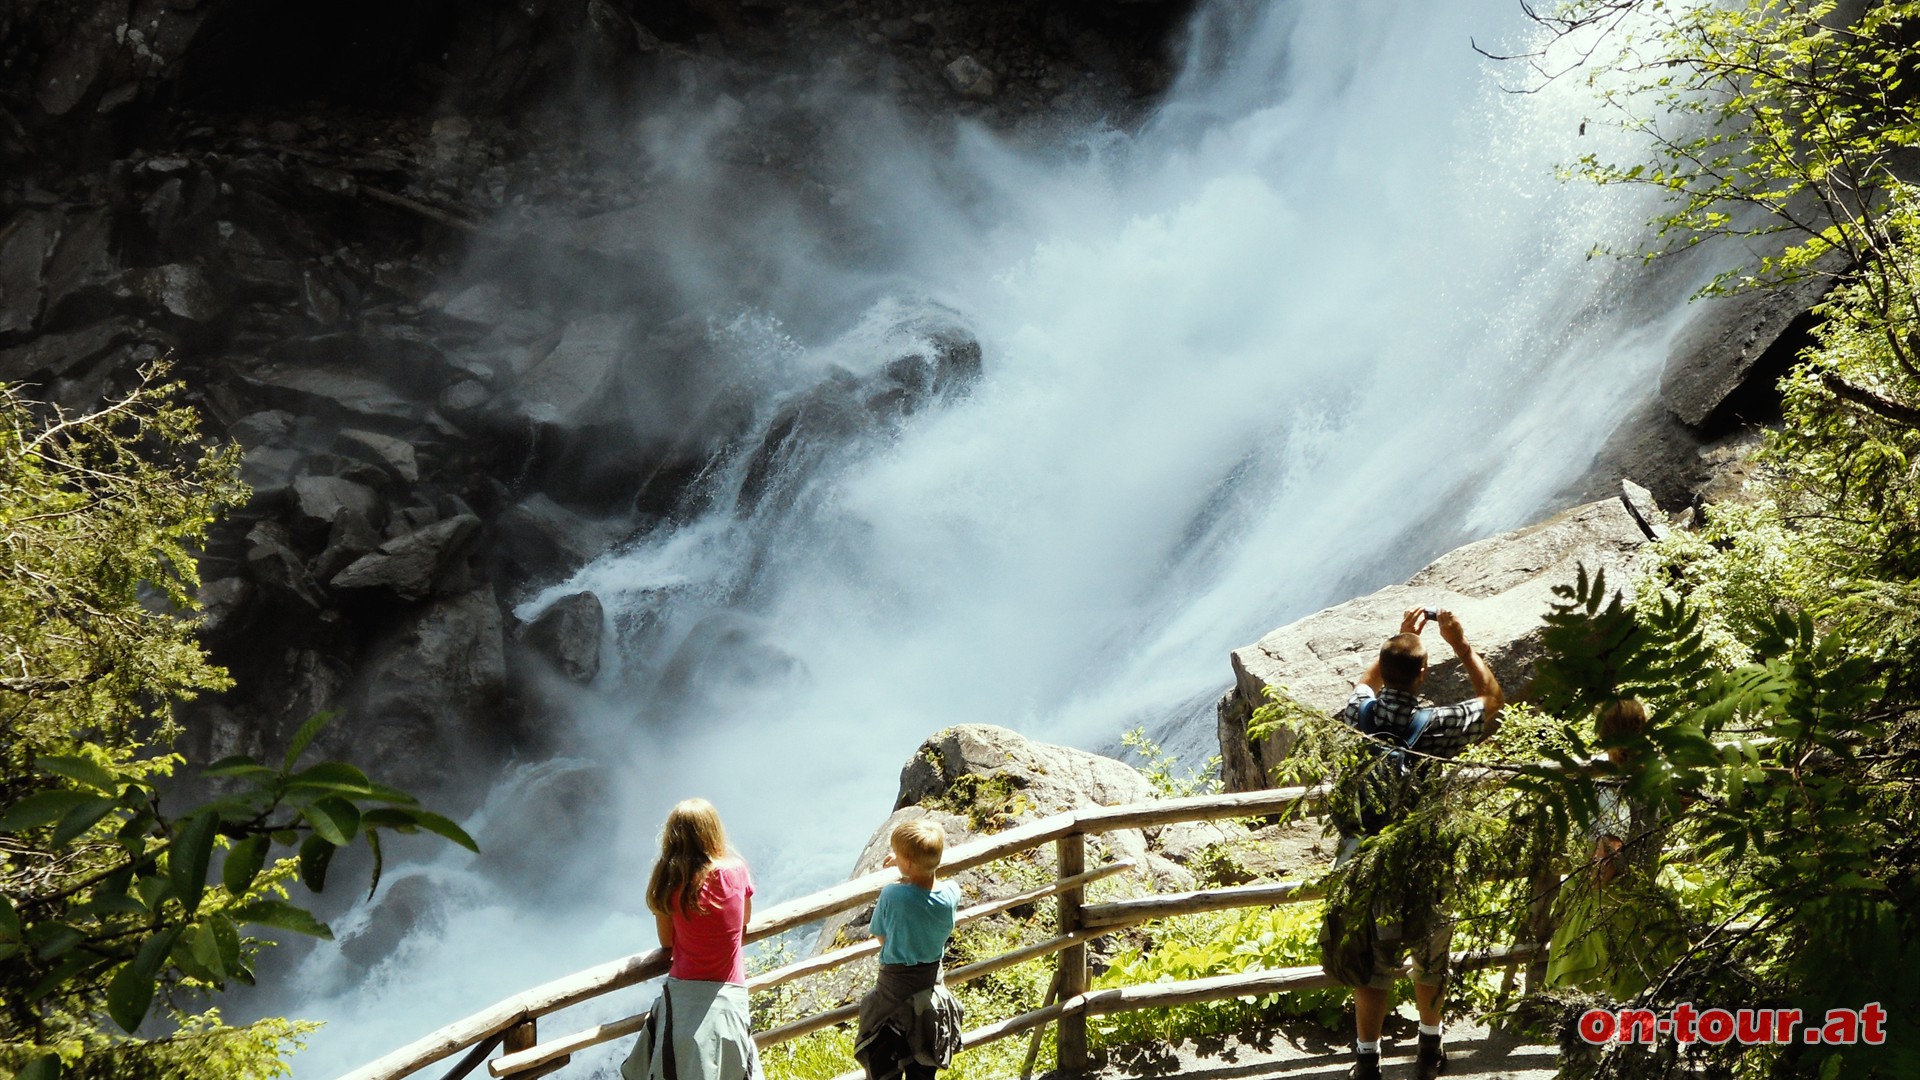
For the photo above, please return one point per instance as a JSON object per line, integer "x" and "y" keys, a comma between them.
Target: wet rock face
{"x": 432, "y": 314}
{"x": 568, "y": 635}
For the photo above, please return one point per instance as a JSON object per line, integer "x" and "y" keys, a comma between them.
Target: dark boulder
{"x": 317, "y": 500}
{"x": 24, "y": 245}
{"x": 568, "y": 633}
{"x": 434, "y": 692}
{"x": 414, "y": 565}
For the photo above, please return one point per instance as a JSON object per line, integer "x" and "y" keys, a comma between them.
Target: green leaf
{"x": 304, "y": 738}
{"x": 154, "y": 890}
{"x": 189, "y": 964}
{"x": 280, "y": 915}
{"x": 332, "y": 776}
{"x": 51, "y": 939}
{"x": 438, "y": 825}
{"x": 316, "y": 853}
{"x": 42, "y": 808}
{"x": 243, "y": 864}
{"x": 153, "y": 951}
{"x": 227, "y": 937}
{"x": 333, "y": 818}
{"x": 206, "y": 951}
{"x": 46, "y": 1067}
{"x": 238, "y": 766}
{"x": 190, "y": 858}
{"x": 9, "y": 920}
{"x": 389, "y": 817}
{"x": 82, "y": 817}
{"x": 111, "y": 903}
{"x": 379, "y": 861}
{"x": 129, "y": 996}
{"x": 81, "y": 770}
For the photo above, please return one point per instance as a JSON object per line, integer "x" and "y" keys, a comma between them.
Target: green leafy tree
{"x": 112, "y": 898}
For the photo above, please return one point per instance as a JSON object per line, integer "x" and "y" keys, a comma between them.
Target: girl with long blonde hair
{"x": 701, "y": 896}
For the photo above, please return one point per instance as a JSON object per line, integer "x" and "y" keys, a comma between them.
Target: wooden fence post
{"x": 1072, "y": 1038}
{"x": 525, "y": 1036}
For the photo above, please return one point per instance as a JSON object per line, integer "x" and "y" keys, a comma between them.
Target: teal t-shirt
{"x": 914, "y": 922}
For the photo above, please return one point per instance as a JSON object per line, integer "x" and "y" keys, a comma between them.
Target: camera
{"x": 1433, "y": 614}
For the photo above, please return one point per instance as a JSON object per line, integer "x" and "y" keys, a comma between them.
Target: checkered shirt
{"x": 1452, "y": 729}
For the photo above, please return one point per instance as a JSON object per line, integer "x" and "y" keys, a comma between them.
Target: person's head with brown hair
{"x": 918, "y": 846}
{"x": 1621, "y": 720}
{"x": 690, "y": 842}
{"x": 1403, "y": 662}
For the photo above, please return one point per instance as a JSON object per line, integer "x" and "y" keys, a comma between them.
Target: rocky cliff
{"x": 410, "y": 256}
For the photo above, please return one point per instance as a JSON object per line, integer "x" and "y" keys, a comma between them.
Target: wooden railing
{"x": 511, "y": 1025}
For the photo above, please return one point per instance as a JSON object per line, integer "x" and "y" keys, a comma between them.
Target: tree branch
{"x": 1884, "y": 407}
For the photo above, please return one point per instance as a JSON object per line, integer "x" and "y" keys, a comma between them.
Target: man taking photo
{"x": 1386, "y": 707}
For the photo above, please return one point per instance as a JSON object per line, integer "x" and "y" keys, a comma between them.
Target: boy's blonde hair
{"x": 919, "y": 844}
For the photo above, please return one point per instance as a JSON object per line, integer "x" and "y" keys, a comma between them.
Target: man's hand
{"x": 1414, "y": 621}
{"x": 1451, "y": 632}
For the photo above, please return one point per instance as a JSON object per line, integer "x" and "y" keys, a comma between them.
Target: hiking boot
{"x": 1365, "y": 1067}
{"x": 1432, "y": 1060}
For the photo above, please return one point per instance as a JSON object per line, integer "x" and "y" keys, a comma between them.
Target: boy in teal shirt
{"x": 909, "y": 1023}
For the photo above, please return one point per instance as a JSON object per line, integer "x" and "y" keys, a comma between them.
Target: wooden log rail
{"x": 511, "y": 1024}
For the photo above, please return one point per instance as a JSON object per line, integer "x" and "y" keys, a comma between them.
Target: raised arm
{"x": 1478, "y": 673}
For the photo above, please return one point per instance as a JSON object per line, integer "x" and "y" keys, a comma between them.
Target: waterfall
{"x": 1327, "y": 313}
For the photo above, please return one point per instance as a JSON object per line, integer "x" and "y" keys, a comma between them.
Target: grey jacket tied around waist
{"x": 697, "y": 1031}
{"x": 912, "y": 1003}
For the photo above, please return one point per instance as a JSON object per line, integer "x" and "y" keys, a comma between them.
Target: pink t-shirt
{"x": 706, "y": 947}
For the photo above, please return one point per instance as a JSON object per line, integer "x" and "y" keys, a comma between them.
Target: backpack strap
{"x": 1367, "y": 709}
{"x": 1421, "y": 718}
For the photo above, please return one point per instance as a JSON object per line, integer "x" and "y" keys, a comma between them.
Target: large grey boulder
{"x": 333, "y": 391}
{"x": 397, "y": 456}
{"x": 412, "y": 565}
{"x": 1499, "y": 587}
{"x": 55, "y": 356}
{"x": 180, "y": 289}
{"x": 24, "y": 245}
{"x": 572, "y": 385}
{"x": 433, "y": 692}
{"x": 568, "y": 635}
{"x": 538, "y": 537}
{"x": 317, "y": 500}
{"x": 975, "y": 779}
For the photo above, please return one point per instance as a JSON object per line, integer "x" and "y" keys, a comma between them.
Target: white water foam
{"x": 1327, "y": 314}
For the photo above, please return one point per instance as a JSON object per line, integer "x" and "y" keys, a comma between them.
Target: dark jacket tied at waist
{"x": 908, "y": 1019}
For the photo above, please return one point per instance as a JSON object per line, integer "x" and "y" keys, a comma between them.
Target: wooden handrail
{"x": 637, "y": 968}
{"x": 1212, "y": 988}
{"x": 826, "y": 961}
{"x": 533, "y": 1057}
{"x": 1132, "y": 912}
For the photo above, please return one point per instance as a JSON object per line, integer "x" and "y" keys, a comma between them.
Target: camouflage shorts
{"x": 1430, "y": 948}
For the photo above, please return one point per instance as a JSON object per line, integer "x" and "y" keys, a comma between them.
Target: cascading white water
{"x": 1326, "y": 314}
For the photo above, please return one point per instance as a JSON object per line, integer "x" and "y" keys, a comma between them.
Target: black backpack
{"x": 1391, "y": 785}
